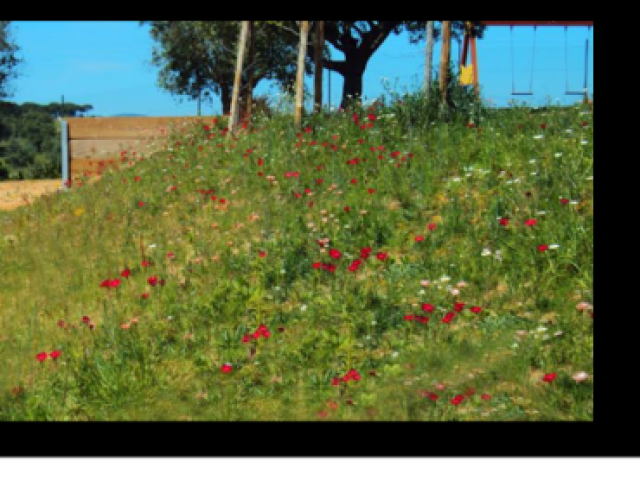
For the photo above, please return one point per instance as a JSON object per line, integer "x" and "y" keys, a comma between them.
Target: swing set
{"x": 469, "y": 74}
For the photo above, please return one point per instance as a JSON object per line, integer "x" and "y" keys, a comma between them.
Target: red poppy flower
{"x": 564, "y": 201}
{"x": 365, "y": 252}
{"x": 485, "y": 396}
{"x": 549, "y": 377}
{"x": 504, "y": 222}
{"x": 458, "y": 306}
{"x": 41, "y": 357}
{"x": 226, "y": 368}
{"x": 381, "y": 256}
{"x": 145, "y": 263}
{"x": 171, "y": 255}
{"x": 353, "y": 181}
{"x": 419, "y": 238}
{"x": 141, "y": 204}
{"x": 432, "y": 226}
{"x": 125, "y": 273}
{"x": 335, "y": 381}
{"x": 531, "y": 222}
{"x": 145, "y": 295}
{"x": 427, "y": 307}
{"x": 432, "y": 396}
{"x": 347, "y": 209}
{"x": 85, "y": 319}
{"x": 448, "y": 317}
{"x": 476, "y": 309}
{"x": 542, "y": 248}
{"x": 246, "y": 338}
{"x": 152, "y": 281}
{"x": 263, "y": 254}
{"x": 335, "y": 253}
{"x": 55, "y": 354}
{"x": 355, "y": 265}
{"x": 457, "y": 399}
{"x": 409, "y": 317}
{"x": 371, "y": 190}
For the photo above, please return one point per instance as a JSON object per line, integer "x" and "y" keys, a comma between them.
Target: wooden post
{"x": 319, "y": 50}
{"x": 445, "y": 59}
{"x": 242, "y": 41}
{"x": 474, "y": 62}
{"x": 429, "y": 58}
{"x": 302, "y": 52}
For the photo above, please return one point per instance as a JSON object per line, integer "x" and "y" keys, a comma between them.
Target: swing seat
{"x": 466, "y": 75}
{"x": 521, "y": 93}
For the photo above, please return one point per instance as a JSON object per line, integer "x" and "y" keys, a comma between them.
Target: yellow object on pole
{"x": 466, "y": 75}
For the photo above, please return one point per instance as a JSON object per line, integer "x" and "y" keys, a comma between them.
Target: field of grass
{"x": 365, "y": 268}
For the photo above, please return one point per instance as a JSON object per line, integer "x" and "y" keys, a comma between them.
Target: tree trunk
{"x": 225, "y": 97}
{"x": 233, "y": 117}
{"x": 445, "y": 59}
{"x": 428, "y": 69}
{"x": 250, "y": 60}
{"x": 319, "y": 53}
{"x": 352, "y": 73}
{"x": 302, "y": 53}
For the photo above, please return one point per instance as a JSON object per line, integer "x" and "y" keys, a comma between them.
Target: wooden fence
{"x": 92, "y": 145}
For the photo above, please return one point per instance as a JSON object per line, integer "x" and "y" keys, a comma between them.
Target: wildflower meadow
{"x": 369, "y": 266}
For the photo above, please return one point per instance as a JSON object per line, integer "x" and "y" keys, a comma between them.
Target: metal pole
{"x": 586, "y": 70}
{"x": 64, "y": 157}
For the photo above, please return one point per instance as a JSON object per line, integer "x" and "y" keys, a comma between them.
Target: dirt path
{"x": 20, "y": 193}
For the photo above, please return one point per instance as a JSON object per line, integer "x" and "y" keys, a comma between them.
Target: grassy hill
{"x": 369, "y": 267}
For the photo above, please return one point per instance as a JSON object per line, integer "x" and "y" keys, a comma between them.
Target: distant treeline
{"x": 30, "y": 138}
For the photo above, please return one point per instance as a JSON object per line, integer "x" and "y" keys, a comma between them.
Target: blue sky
{"x": 108, "y": 65}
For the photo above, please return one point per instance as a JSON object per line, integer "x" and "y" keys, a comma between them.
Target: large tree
{"x": 198, "y": 57}
{"x": 8, "y": 59}
{"x": 359, "y": 40}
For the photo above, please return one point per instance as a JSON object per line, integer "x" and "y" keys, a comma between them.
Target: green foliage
{"x": 417, "y": 109}
{"x": 196, "y": 57}
{"x": 8, "y": 59}
{"x": 30, "y": 138}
